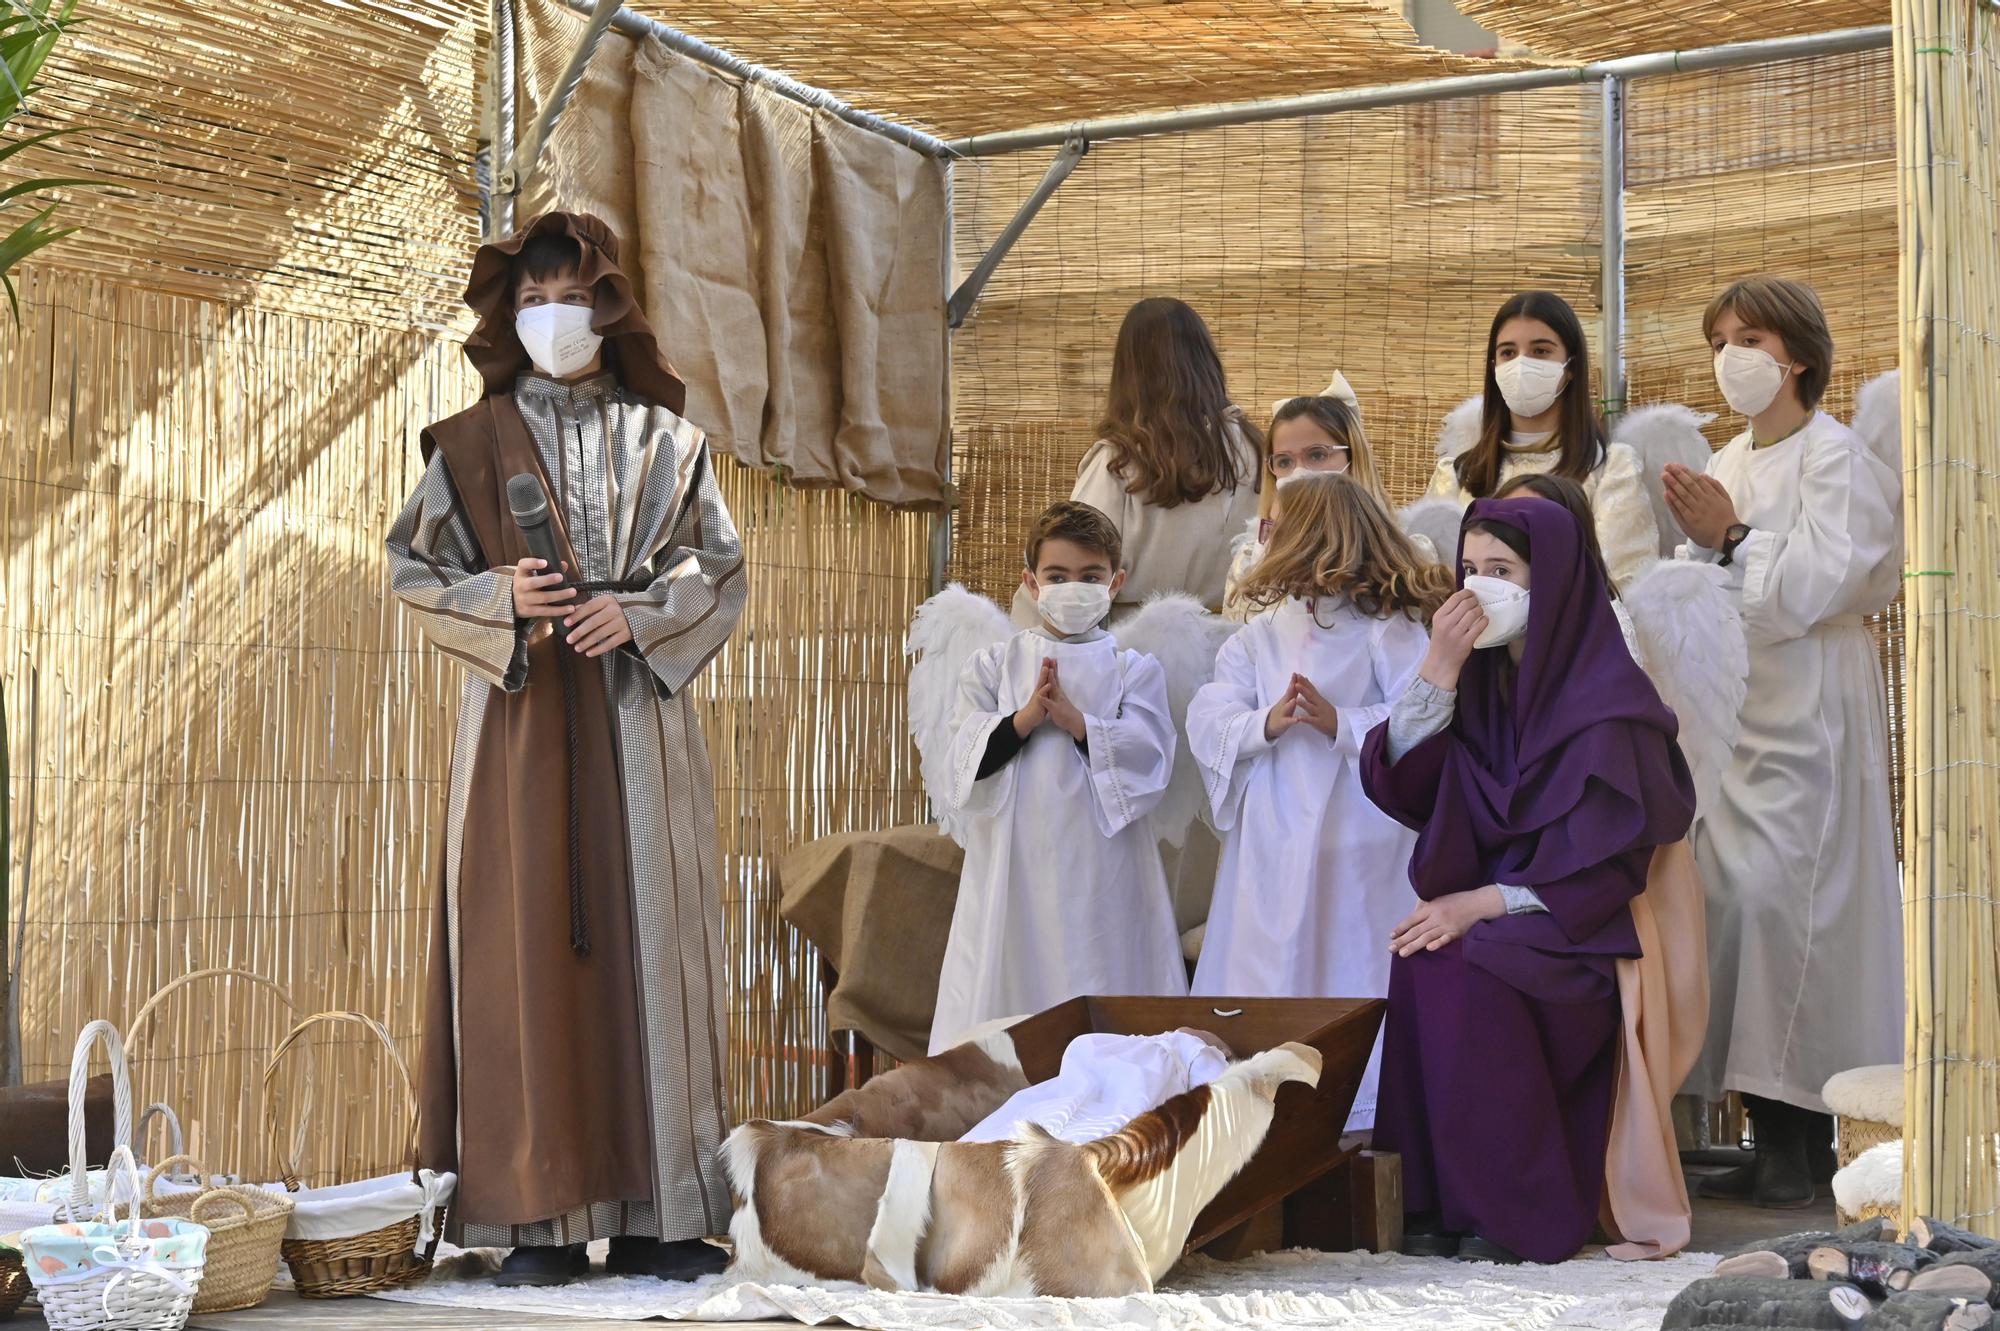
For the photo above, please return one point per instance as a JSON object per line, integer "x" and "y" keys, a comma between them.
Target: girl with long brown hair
{"x": 1537, "y": 415}
{"x": 1175, "y": 465}
{"x": 1313, "y": 877}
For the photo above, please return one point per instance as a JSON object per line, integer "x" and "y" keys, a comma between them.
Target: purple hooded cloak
{"x": 1500, "y": 1048}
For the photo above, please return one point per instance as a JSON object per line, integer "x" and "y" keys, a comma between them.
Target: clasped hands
{"x": 1441, "y": 920}
{"x": 1052, "y": 705}
{"x": 1699, "y": 504}
{"x": 1302, "y": 704}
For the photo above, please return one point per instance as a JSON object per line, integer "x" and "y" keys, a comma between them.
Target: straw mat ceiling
{"x": 306, "y": 155}
{"x": 1603, "y": 29}
{"x": 959, "y": 67}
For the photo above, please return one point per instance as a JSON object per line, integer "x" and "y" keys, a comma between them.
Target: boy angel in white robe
{"x": 1048, "y": 754}
{"x": 1802, "y": 519}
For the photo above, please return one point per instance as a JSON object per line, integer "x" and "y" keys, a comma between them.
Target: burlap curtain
{"x": 795, "y": 267}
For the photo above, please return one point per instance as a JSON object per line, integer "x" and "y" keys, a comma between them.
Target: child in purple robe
{"x": 1539, "y": 768}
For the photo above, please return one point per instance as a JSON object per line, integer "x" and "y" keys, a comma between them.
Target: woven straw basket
{"x": 1858, "y": 1134}
{"x": 365, "y": 1263}
{"x": 13, "y": 1282}
{"x": 133, "y": 1285}
{"x": 245, "y": 1227}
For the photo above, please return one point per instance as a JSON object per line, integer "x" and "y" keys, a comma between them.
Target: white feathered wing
{"x": 1878, "y": 417}
{"x": 1692, "y": 646}
{"x": 1461, "y": 427}
{"x": 947, "y": 631}
{"x": 1174, "y": 630}
{"x": 1662, "y": 433}
{"x": 1437, "y": 520}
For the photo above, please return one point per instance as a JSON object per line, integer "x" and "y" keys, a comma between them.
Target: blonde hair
{"x": 1792, "y": 311}
{"x": 1337, "y": 539}
{"x": 1342, "y": 423}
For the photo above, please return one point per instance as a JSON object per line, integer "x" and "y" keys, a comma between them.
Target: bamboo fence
{"x": 229, "y": 748}
{"x": 1947, "y": 77}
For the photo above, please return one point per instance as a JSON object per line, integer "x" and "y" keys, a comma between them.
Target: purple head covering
{"x": 1561, "y": 778}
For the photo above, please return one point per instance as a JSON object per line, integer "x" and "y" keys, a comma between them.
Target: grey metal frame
{"x": 512, "y": 169}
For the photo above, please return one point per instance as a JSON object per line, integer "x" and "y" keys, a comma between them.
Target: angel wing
{"x": 947, "y": 631}
{"x": 1461, "y": 429}
{"x": 1878, "y": 417}
{"x": 1174, "y": 630}
{"x": 1662, "y": 433}
{"x": 1437, "y": 521}
{"x": 1691, "y": 644}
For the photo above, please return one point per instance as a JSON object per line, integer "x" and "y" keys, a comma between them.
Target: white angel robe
{"x": 1805, "y": 929}
{"x": 1626, "y": 530}
{"x": 1314, "y": 878}
{"x": 1062, "y": 893}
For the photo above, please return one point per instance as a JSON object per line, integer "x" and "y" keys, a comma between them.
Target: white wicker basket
{"x": 117, "y": 1275}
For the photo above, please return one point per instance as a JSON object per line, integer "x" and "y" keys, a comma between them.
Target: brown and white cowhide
{"x": 1031, "y": 1216}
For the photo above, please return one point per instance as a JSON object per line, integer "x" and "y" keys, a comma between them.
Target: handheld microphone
{"x": 530, "y": 504}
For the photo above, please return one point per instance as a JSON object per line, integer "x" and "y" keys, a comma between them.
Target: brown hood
{"x": 630, "y": 350}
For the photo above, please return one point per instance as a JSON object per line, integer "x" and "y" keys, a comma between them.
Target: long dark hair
{"x": 1580, "y": 430}
{"x": 1168, "y": 414}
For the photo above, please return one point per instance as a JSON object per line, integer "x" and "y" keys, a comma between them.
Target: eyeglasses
{"x": 1316, "y": 458}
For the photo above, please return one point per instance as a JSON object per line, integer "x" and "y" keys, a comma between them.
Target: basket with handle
{"x": 137, "y": 1029}
{"x": 116, "y": 1275}
{"x": 246, "y": 1226}
{"x": 358, "y": 1238}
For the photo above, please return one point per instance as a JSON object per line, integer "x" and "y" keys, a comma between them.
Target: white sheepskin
{"x": 1874, "y": 1179}
{"x": 1875, "y": 1094}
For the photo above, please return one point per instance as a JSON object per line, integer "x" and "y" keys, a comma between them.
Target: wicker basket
{"x": 1858, "y": 1134}
{"x": 13, "y": 1282}
{"x": 117, "y": 1275}
{"x": 245, "y": 1227}
{"x": 381, "y": 1258}
{"x": 1872, "y": 1211}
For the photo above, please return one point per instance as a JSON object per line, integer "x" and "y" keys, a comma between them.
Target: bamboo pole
{"x": 1948, "y": 135}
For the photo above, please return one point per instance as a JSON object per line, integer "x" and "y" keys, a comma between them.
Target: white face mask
{"x": 1506, "y": 608}
{"x": 1749, "y": 378}
{"x": 558, "y": 338}
{"x": 1074, "y": 607}
{"x": 1529, "y": 385}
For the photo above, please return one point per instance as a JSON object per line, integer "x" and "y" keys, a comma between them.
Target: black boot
{"x": 1476, "y": 1249}
{"x": 1817, "y": 1129}
{"x": 542, "y": 1267}
{"x": 1781, "y": 1177}
{"x": 1424, "y": 1235}
{"x": 689, "y": 1259}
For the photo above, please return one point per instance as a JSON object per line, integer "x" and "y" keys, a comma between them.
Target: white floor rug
{"x": 1298, "y": 1289}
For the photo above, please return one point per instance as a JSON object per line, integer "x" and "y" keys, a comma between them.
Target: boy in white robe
{"x": 1064, "y": 744}
{"x": 1798, "y": 856}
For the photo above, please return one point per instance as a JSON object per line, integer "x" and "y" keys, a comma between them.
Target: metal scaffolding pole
{"x": 638, "y": 25}
{"x": 501, "y": 212}
{"x": 963, "y": 299}
{"x": 1611, "y": 301}
{"x": 1434, "y": 90}
{"x": 518, "y": 168}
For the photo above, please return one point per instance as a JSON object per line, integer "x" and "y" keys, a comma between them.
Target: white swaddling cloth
{"x": 1106, "y": 1081}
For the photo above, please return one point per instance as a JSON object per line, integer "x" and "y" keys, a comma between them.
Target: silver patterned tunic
{"x": 641, "y": 504}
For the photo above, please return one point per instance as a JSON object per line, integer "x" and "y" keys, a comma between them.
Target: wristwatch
{"x": 1734, "y": 536}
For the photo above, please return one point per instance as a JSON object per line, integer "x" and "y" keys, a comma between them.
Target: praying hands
{"x": 1699, "y": 504}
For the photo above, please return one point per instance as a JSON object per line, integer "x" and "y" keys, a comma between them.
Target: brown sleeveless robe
{"x": 536, "y": 1095}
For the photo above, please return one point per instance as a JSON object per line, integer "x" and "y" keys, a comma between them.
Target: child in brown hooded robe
{"x": 573, "y": 1046}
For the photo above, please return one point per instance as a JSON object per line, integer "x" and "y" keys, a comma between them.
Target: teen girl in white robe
{"x": 1062, "y": 892}
{"x": 1313, "y": 876}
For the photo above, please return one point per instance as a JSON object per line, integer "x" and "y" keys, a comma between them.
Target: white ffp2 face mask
{"x": 558, "y": 338}
{"x": 1074, "y": 607}
{"x": 1506, "y": 607}
{"x": 1749, "y": 378}
{"x": 1529, "y": 385}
